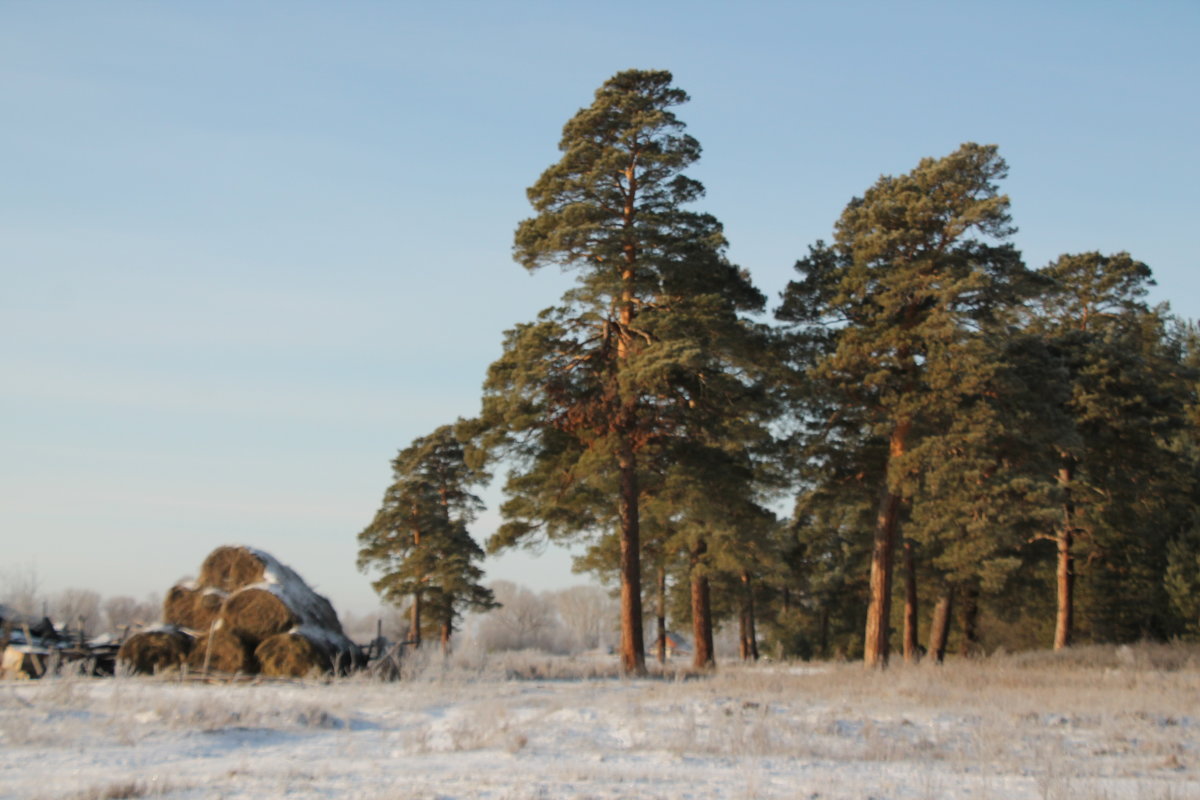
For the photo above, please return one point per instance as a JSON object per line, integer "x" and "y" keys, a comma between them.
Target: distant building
{"x": 677, "y": 645}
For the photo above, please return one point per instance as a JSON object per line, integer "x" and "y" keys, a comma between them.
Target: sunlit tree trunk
{"x": 701, "y": 611}
{"x": 414, "y": 633}
{"x": 912, "y": 653}
{"x": 748, "y": 636}
{"x": 875, "y": 641}
{"x": 633, "y": 655}
{"x": 1064, "y": 621}
{"x": 939, "y": 627}
{"x": 660, "y": 644}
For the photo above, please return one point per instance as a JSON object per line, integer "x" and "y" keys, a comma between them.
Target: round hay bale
{"x": 149, "y": 652}
{"x": 231, "y": 568}
{"x": 292, "y": 655}
{"x": 179, "y": 606}
{"x": 256, "y": 614}
{"x": 207, "y": 608}
{"x": 224, "y": 651}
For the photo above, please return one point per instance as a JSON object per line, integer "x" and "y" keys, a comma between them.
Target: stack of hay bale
{"x": 246, "y": 613}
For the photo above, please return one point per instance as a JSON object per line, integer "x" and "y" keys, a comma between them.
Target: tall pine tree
{"x": 1123, "y": 489}
{"x": 638, "y": 353}
{"x": 918, "y": 263}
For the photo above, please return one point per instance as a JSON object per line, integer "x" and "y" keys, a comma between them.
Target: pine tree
{"x": 418, "y": 540}
{"x": 637, "y": 353}
{"x": 918, "y": 264}
{"x": 835, "y": 459}
{"x": 1182, "y": 577}
{"x": 1123, "y": 489}
{"x": 712, "y": 497}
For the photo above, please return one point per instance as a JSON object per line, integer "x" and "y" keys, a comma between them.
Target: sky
{"x": 248, "y": 251}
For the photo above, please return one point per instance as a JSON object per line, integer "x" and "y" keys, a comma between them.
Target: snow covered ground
{"x": 998, "y": 728}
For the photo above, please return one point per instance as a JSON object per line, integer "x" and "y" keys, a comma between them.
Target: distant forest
{"x": 981, "y": 454}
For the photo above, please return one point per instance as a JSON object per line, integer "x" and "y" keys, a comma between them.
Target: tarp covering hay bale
{"x": 221, "y": 650}
{"x": 179, "y": 606}
{"x": 155, "y": 650}
{"x": 230, "y": 568}
{"x": 257, "y": 613}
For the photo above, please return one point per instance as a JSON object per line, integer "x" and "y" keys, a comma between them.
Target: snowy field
{"x": 1114, "y": 724}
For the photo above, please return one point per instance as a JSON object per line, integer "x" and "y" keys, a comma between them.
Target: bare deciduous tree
{"x": 123, "y": 612}
{"x": 525, "y": 620}
{"x": 19, "y": 590}
{"x": 589, "y": 614}
{"x": 78, "y": 609}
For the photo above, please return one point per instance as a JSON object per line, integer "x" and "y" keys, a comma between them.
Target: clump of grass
{"x": 1173, "y": 656}
{"x": 121, "y": 790}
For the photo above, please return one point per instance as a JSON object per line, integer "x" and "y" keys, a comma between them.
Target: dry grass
{"x": 121, "y": 790}
{"x": 1115, "y": 725}
{"x": 1063, "y": 722}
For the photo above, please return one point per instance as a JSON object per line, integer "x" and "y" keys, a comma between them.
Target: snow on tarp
{"x": 334, "y": 642}
{"x": 311, "y": 608}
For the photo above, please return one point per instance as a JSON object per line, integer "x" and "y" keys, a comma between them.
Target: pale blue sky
{"x": 249, "y": 250}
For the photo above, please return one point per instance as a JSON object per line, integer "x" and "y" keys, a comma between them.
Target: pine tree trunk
{"x": 633, "y": 655}
{"x": 1064, "y": 621}
{"x": 701, "y": 612}
{"x": 660, "y": 644}
{"x": 969, "y": 621}
{"x": 447, "y": 627}
{"x": 743, "y": 634}
{"x": 748, "y": 636}
{"x": 939, "y": 626}
{"x": 912, "y": 653}
{"x": 743, "y": 627}
{"x": 414, "y": 633}
{"x": 753, "y": 631}
{"x": 754, "y": 623}
{"x": 875, "y": 640}
{"x": 825, "y": 629}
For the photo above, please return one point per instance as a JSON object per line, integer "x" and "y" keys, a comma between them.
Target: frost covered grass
{"x": 1102, "y": 724}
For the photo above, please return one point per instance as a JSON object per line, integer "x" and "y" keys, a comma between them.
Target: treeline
{"x": 80, "y": 611}
{"x": 1017, "y": 446}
